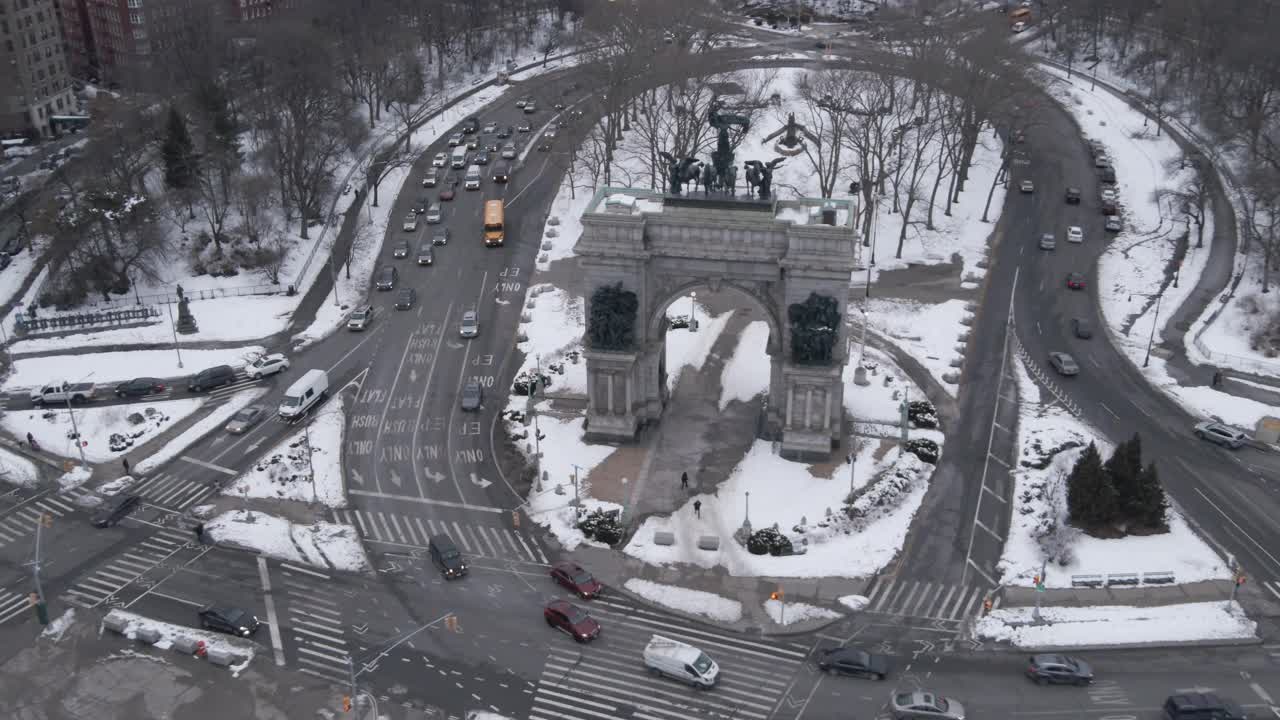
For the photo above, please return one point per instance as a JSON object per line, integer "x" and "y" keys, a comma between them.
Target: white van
{"x": 472, "y": 181}
{"x": 459, "y": 159}
{"x": 303, "y": 395}
{"x": 684, "y": 662}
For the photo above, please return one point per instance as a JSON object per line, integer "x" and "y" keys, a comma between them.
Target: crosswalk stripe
{"x": 55, "y": 502}
{"x": 695, "y": 637}
{"x": 1273, "y": 587}
{"x": 308, "y": 642}
{"x": 458, "y": 536}
{"x": 878, "y": 589}
{"x": 942, "y": 606}
{"x": 746, "y": 677}
{"x": 493, "y": 550}
{"x": 381, "y": 528}
{"x": 432, "y": 524}
{"x": 911, "y": 594}
{"x": 396, "y": 526}
{"x": 973, "y": 601}
{"x": 425, "y": 535}
{"x": 413, "y": 534}
{"x": 313, "y": 633}
{"x": 625, "y": 685}
{"x": 364, "y": 532}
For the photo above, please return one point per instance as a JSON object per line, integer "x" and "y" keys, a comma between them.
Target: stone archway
{"x": 645, "y": 249}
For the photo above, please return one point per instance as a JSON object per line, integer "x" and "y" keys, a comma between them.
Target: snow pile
{"x": 746, "y": 375}
{"x": 694, "y": 602}
{"x": 105, "y": 432}
{"x": 1117, "y": 625}
{"x": 75, "y": 477}
{"x": 17, "y": 470}
{"x": 1050, "y": 441}
{"x": 169, "y": 632}
{"x": 325, "y": 545}
{"x": 114, "y": 367}
{"x": 788, "y": 613}
{"x": 59, "y": 626}
{"x": 855, "y": 603}
{"x": 305, "y": 466}
{"x": 218, "y": 417}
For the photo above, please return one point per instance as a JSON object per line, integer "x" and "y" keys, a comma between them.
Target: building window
{"x": 135, "y": 18}
{"x": 135, "y": 4}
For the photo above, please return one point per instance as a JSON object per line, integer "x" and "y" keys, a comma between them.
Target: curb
{"x": 1170, "y": 644}
{"x": 700, "y": 620}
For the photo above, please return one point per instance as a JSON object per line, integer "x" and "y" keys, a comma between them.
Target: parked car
{"x": 360, "y": 318}
{"x": 1073, "y": 196}
{"x": 410, "y": 223}
{"x": 1100, "y": 160}
{"x": 440, "y": 236}
{"x": 571, "y": 619}
{"x": 425, "y": 255}
{"x": 1109, "y": 194}
{"x": 1221, "y": 434}
{"x": 1064, "y": 364}
{"x": 472, "y": 397}
{"x": 139, "y": 387}
{"x": 387, "y": 277}
{"x": 851, "y": 661}
{"x": 400, "y": 250}
{"x": 210, "y": 378}
{"x": 74, "y": 393}
{"x": 1075, "y": 234}
{"x": 1082, "y": 328}
{"x": 1047, "y": 242}
{"x": 1027, "y": 186}
{"x": 1061, "y": 669}
{"x": 576, "y": 579}
{"x": 230, "y": 620}
{"x": 1075, "y": 280}
{"x": 1113, "y": 223}
{"x": 267, "y": 365}
{"x": 469, "y": 327}
{"x": 922, "y": 705}
{"x": 242, "y": 421}
{"x": 440, "y": 160}
{"x": 406, "y": 298}
{"x": 115, "y": 510}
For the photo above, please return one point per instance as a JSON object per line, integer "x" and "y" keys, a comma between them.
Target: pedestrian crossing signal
{"x": 46, "y": 520}
{"x": 515, "y": 518}
{"x": 451, "y": 623}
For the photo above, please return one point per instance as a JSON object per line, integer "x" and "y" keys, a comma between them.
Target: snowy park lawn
{"x": 284, "y": 473}
{"x": 1227, "y": 338}
{"x": 788, "y": 613}
{"x": 323, "y": 544}
{"x": 694, "y": 602}
{"x": 17, "y": 470}
{"x": 1040, "y": 494}
{"x": 878, "y": 401}
{"x": 96, "y": 426}
{"x": 213, "y": 422}
{"x": 108, "y": 368}
{"x": 553, "y": 332}
{"x": 930, "y": 333}
{"x": 1117, "y": 625}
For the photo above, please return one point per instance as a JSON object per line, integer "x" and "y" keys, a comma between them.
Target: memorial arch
{"x": 641, "y": 250}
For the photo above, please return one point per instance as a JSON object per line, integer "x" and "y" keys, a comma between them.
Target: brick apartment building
{"x": 35, "y": 80}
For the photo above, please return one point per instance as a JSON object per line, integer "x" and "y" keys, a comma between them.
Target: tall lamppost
{"x": 693, "y": 311}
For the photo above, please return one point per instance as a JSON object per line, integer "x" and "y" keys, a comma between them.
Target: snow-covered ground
{"x": 746, "y": 374}
{"x": 1040, "y": 498}
{"x": 930, "y": 333}
{"x": 17, "y": 470}
{"x": 789, "y": 613}
{"x": 108, "y": 368}
{"x": 286, "y": 473}
{"x": 323, "y": 544}
{"x": 52, "y": 427}
{"x": 214, "y": 421}
{"x": 1117, "y": 625}
{"x": 696, "y": 602}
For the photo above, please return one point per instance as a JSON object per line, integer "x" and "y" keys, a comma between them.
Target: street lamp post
{"x": 853, "y": 456}
{"x": 1154, "y": 322}
{"x": 693, "y": 311}
{"x": 174, "y": 327}
{"x": 84, "y": 463}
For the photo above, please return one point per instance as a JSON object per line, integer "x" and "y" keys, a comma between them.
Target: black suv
{"x": 470, "y": 125}
{"x": 446, "y": 557}
{"x": 850, "y": 661}
{"x": 211, "y": 378}
{"x": 230, "y": 620}
{"x": 1201, "y": 706}
{"x": 139, "y": 387}
{"x": 115, "y": 510}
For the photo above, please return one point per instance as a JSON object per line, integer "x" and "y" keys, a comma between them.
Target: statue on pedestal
{"x": 794, "y": 136}
{"x": 760, "y": 175}
{"x": 722, "y": 158}
{"x": 186, "y": 322}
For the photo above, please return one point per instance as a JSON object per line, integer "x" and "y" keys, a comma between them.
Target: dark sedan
{"x": 1046, "y": 669}
{"x": 850, "y": 661}
{"x": 229, "y": 620}
{"x": 115, "y": 510}
{"x": 574, "y": 578}
{"x": 571, "y": 619}
{"x": 407, "y": 297}
{"x": 139, "y": 387}
{"x": 1075, "y": 280}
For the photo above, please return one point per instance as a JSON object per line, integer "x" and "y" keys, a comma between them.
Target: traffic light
{"x": 515, "y": 518}
{"x": 46, "y": 520}
{"x": 346, "y": 703}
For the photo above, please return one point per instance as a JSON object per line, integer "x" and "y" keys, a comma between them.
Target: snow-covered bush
{"x": 923, "y": 448}
{"x": 601, "y": 526}
{"x": 922, "y": 414}
{"x": 885, "y": 492}
{"x": 769, "y": 541}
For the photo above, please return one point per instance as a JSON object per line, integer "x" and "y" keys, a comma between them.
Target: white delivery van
{"x": 472, "y": 180}
{"x": 459, "y": 158}
{"x": 303, "y": 395}
{"x": 684, "y": 662}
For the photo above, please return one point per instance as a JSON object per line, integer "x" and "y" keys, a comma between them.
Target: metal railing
{"x": 1257, "y": 366}
{"x": 26, "y": 325}
{"x": 1122, "y": 580}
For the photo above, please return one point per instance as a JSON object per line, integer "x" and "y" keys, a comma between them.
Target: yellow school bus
{"x": 493, "y": 223}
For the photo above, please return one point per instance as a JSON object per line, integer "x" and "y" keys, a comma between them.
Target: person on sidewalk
{"x": 126, "y": 465}
{"x": 31, "y": 440}
{"x": 1217, "y": 378}
{"x": 684, "y": 481}
{"x": 697, "y": 509}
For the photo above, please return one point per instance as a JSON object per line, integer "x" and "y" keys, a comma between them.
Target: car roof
{"x": 471, "y": 314}
{"x": 568, "y": 566}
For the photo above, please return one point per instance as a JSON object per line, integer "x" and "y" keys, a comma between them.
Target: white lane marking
{"x": 272, "y": 623}
{"x": 211, "y": 466}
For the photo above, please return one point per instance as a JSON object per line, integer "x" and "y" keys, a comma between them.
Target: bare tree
{"x": 409, "y": 98}
{"x": 1192, "y": 195}
{"x": 254, "y": 203}
{"x": 389, "y": 160}
{"x": 269, "y": 256}
{"x": 826, "y": 121}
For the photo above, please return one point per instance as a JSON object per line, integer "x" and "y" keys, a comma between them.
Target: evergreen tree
{"x": 1091, "y": 498}
{"x": 178, "y": 153}
{"x": 1151, "y": 503}
{"x": 1124, "y": 466}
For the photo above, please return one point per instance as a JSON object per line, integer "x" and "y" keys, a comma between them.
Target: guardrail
{"x": 1256, "y": 366}
{"x": 1043, "y": 378}
{"x": 1122, "y": 580}
{"x": 25, "y": 325}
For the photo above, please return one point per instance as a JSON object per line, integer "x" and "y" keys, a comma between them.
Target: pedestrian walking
{"x": 199, "y": 530}
{"x": 684, "y": 481}
{"x": 126, "y": 465}
{"x": 697, "y": 508}
{"x": 31, "y": 440}
{"x": 1217, "y": 378}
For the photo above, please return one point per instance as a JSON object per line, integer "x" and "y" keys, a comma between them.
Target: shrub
{"x": 601, "y": 526}
{"x": 768, "y": 541}
{"x": 922, "y": 414}
{"x": 923, "y": 448}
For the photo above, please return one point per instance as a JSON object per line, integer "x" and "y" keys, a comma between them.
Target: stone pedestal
{"x": 186, "y": 322}
{"x": 612, "y": 400}
{"x": 814, "y": 411}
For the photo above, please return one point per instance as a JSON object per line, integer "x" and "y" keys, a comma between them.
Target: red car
{"x": 1075, "y": 281}
{"x": 564, "y": 615}
{"x": 446, "y": 194}
{"x": 577, "y": 580}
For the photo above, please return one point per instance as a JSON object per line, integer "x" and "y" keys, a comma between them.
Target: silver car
{"x": 360, "y": 318}
{"x": 1222, "y": 434}
{"x": 509, "y": 151}
{"x": 245, "y": 419}
{"x": 920, "y": 705}
{"x": 434, "y": 214}
{"x": 470, "y": 325}
{"x": 1047, "y": 242}
{"x": 1064, "y": 364}
{"x": 472, "y": 396}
